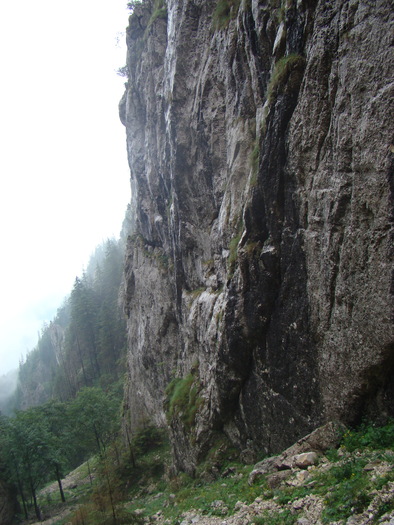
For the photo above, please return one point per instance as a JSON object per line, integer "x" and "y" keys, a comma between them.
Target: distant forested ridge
{"x": 85, "y": 344}
{"x": 7, "y": 386}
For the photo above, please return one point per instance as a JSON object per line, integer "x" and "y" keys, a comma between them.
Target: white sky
{"x": 64, "y": 179}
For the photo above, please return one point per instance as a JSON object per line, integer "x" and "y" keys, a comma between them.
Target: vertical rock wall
{"x": 258, "y": 279}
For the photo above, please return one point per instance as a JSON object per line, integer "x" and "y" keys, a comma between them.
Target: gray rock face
{"x": 258, "y": 281}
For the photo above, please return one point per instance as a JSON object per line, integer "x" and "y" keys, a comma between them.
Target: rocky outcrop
{"x": 258, "y": 283}
{"x": 302, "y": 454}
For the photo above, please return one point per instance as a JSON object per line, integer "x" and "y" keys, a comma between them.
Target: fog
{"x": 63, "y": 163}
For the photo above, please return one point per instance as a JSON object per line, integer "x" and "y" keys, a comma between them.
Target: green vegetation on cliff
{"x": 225, "y": 11}
{"x": 183, "y": 400}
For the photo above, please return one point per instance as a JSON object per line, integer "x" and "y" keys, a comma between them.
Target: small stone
{"x": 275, "y": 479}
{"x": 298, "y": 504}
{"x": 306, "y": 459}
{"x": 230, "y": 471}
{"x": 248, "y": 456}
{"x": 217, "y": 503}
{"x": 302, "y": 476}
{"x": 286, "y": 464}
{"x": 371, "y": 466}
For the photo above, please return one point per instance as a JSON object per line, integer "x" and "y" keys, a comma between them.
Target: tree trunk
{"x": 59, "y": 481}
{"x": 90, "y": 474}
{"x": 115, "y": 521}
{"x": 36, "y": 507}
{"x": 132, "y": 457}
{"x": 20, "y": 487}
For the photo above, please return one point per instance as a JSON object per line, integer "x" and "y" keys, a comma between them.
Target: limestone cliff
{"x": 258, "y": 283}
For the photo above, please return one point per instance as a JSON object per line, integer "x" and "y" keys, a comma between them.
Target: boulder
{"x": 302, "y": 454}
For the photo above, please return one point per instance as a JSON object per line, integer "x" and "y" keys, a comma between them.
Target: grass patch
{"x": 228, "y": 490}
{"x": 183, "y": 400}
{"x": 233, "y": 248}
{"x": 345, "y": 485}
{"x": 348, "y": 490}
{"x": 159, "y": 12}
{"x": 225, "y": 11}
{"x": 254, "y": 161}
{"x": 93, "y": 515}
{"x": 284, "y": 75}
{"x": 284, "y": 517}
{"x": 196, "y": 292}
{"x": 193, "y": 493}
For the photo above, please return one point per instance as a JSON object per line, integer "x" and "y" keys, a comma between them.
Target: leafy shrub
{"x": 370, "y": 436}
{"x": 123, "y": 71}
{"x": 346, "y": 499}
{"x": 332, "y": 455}
{"x": 347, "y": 470}
{"x": 157, "y": 8}
{"x": 147, "y": 439}
{"x": 133, "y": 3}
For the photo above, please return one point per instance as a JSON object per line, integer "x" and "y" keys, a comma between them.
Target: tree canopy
{"x": 42, "y": 443}
{"x": 85, "y": 344}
